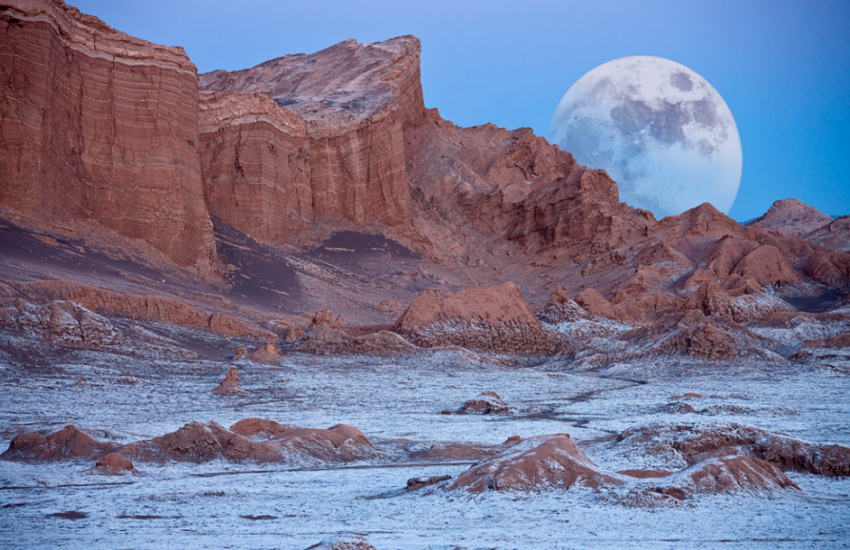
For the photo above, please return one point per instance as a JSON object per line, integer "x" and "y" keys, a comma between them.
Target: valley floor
{"x": 397, "y": 404}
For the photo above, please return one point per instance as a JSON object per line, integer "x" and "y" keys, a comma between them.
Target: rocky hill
{"x": 322, "y": 181}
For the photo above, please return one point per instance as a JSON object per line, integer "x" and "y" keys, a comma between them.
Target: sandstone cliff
{"x": 356, "y": 100}
{"x": 256, "y": 165}
{"x": 100, "y": 127}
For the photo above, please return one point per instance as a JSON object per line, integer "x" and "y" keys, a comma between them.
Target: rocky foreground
{"x": 303, "y": 243}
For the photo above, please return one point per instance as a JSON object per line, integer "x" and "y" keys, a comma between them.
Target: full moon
{"x": 659, "y": 129}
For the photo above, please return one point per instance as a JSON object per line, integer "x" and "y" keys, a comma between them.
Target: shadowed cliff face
{"x": 100, "y": 127}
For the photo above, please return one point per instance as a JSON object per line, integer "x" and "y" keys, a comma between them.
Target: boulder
{"x": 268, "y": 353}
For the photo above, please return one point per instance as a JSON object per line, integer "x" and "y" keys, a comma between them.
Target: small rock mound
{"x": 343, "y": 542}
{"x": 731, "y": 474}
{"x": 114, "y": 464}
{"x": 538, "y": 463}
{"x": 415, "y": 483}
{"x": 268, "y": 353}
{"x": 486, "y": 403}
{"x": 69, "y": 443}
{"x": 287, "y": 332}
{"x": 230, "y": 384}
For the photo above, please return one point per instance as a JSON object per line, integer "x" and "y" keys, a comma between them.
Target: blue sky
{"x": 782, "y": 67}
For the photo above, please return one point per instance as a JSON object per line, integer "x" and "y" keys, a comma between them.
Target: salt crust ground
{"x": 395, "y": 403}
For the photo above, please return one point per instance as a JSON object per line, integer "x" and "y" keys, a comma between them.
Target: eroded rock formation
{"x": 486, "y": 319}
{"x": 69, "y": 443}
{"x": 99, "y": 126}
{"x": 684, "y": 445}
{"x": 538, "y": 463}
{"x": 356, "y": 100}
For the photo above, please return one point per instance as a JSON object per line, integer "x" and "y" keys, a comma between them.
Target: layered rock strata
{"x": 99, "y": 126}
{"x": 485, "y": 319}
{"x": 356, "y": 100}
{"x": 256, "y": 165}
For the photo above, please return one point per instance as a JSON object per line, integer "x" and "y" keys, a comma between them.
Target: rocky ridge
{"x": 303, "y": 148}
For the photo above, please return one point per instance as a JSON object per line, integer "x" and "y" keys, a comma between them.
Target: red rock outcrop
{"x": 539, "y": 463}
{"x": 688, "y": 444}
{"x": 356, "y": 100}
{"x": 230, "y": 384}
{"x": 132, "y": 306}
{"x": 254, "y": 440}
{"x": 560, "y": 308}
{"x": 792, "y": 218}
{"x": 268, "y": 353}
{"x": 287, "y": 332}
{"x": 255, "y": 157}
{"x": 487, "y": 403}
{"x": 114, "y": 464}
{"x": 62, "y": 322}
{"x": 486, "y": 319}
{"x": 98, "y": 126}
{"x": 731, "y": 474}
{"x": 69, "y": 443}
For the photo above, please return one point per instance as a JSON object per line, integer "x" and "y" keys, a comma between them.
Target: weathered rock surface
{"x": 343, "y": 542}
{"x": 99, "y": 126}
{"x": 485, "y": 319}
{"x": 487, "y": 403}
{"x": 268, "y": 353}
{"x": 114, "y": 464}
{"x": 340, "y": 443}
{"x": 163, "y": 309}
{"x": 538, "y": 463}
{"x": 416, "y": 483}
{"x": 255, "y": 157}
{"x": 254, "y": 440}
{"x": 835, "y": 235}
{"x": 731, "y": 474}
{"x": 69, "y": 443}
{"x": 684, "y": 445}
{"x": 792, "y": 218}
{"x": 62, "y": 322}
{"x": 356, "y": 100}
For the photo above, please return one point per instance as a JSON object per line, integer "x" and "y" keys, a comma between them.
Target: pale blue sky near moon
{"x": 782, "y": 67}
